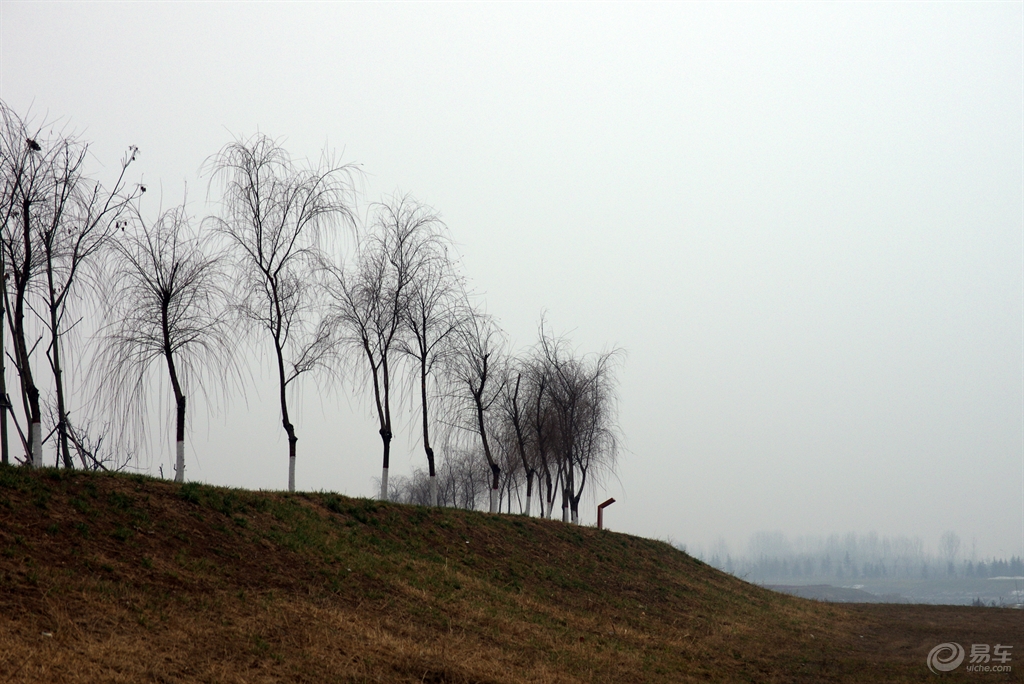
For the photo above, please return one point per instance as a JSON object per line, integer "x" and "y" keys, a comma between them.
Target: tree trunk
{"x": 385, "y": 436}
{"x": 36, "y": 432}
{"x": 5, "y": 454}
{"x": 179, "y": 461}
{"x": 63, "y": 451}
{"x": 30, "y": 393}
{"x": 433, "y": 476}
{"x": 179, "y": 395}
{"x": 495, "y": 484}
{"x": 565, "y": 505}
{"x": 383, "y": 405}
{"x": 62, "y": 417}
{"x": 495, "y": 469}
{"x": 574, "y": 498}
{"x": 432, "y": 483}
{"x": 5, "y": 402}
{"x": 288, "y": 427}
{"x": 529, "y": 491}
{"x": 426, "y": 430}
{"x": 58, "y": 381}
{"x": 292, "y": 441}
{"x": 179, "y": 440}
{"x": 550, "y": 495}
{"x": 36, "y": 417}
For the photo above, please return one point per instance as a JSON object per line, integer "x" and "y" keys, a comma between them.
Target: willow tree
{"x": 515, "y": 401}
{"x": 582, "y": 416}
{"x": 370, "y": 303}
{"x": 434, "y": 312}
{"x": 479, "y": 375}
{"x": 167, "y": 307}
{"x": 538, "y": 421}
{"x": 277, "y": 216}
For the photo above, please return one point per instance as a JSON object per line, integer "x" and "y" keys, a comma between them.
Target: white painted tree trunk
{"x": 291, "y": 473}
{"x": 384, "y": 485}
{"x": 36, "y": 438}
{"x": 565, "y": 514}
{"x": 433, "y": 490}
{"x": 494, "y": 501}
{"x": 179, "y": 466}
{"x": 527, "y": 505}
{"x": 575, "y": 518}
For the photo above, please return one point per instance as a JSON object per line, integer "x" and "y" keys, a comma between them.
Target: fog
{"x": 803, "y": 222}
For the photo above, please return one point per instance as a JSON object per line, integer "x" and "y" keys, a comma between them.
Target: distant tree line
{"x": 772, "y": 557}
{"x": 844, "y": 568}
{"x": 132, "y": 304}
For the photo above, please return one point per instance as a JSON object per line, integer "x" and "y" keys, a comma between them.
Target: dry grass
{"x": 128, "y": 579}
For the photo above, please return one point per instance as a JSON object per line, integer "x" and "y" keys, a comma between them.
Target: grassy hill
{"x": 130, "y": 579}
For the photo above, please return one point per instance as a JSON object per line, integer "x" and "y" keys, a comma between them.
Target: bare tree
{"x": 464, "y": 478}
{"x": 55, "y": 219}
{"x": 539, "y": 419}
{"x": 409, "y": 490}
{"x": 18, "y": 165}
{"x": 515, "y": 403}
{"x": 583, "y": 420}
{"x": 504, "y": 446}
{"x": 27, "y": 168}
{"x": 166, "y": 305}
{"x": 78, "y": 224}
{"x": 478, "y": 372}
{"x": 92, "y": 443}
{"x": 949, "y": 548}
{"x": 597, "y": 444}
{"x": 276, "y": 216}
{"x": 434, "y": 312}
{"x": 370, "y": 302}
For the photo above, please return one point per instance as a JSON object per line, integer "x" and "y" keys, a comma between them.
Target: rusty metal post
{"x": 600, "y": 513}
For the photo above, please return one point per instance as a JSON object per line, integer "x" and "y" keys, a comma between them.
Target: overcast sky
{"x": 802, "y": 221}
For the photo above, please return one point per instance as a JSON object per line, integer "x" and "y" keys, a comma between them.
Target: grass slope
{"x": 131, "y": 579}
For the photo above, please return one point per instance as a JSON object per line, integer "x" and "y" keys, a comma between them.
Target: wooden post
{"x": 600, "y": 513}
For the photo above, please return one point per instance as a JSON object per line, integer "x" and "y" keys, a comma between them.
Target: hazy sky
{"x": 802, "y": 221}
